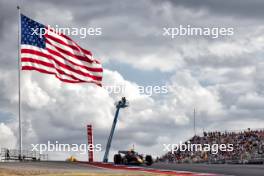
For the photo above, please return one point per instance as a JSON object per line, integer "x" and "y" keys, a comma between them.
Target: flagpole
{"x": 19, "y": 86}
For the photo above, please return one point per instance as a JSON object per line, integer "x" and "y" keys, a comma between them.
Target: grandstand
{"x": 248, "y": 148}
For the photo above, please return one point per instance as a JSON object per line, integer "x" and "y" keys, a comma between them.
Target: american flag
{"x": 57, "y": 54}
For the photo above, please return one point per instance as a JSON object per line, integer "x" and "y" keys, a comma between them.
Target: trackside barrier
{"x": 13, "y": 155}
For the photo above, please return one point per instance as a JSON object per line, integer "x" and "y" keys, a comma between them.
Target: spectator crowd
{"x": 248, "y": 147}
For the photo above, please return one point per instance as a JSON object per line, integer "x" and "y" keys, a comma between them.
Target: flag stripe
{"x": 56, "y": 64}
{"x": 31, "y": 50}
{"x": 53, "y": 50}
{"x": 65, "y": 69}
{"x": 65, "y": 47}
{"x": 39, "y": 66}
{"x": 83, "y": 50}
{"x": 64, "y": 39}
{"x": 48, "y": 72}
{"x": 29, "y": 66}
{"x": 60, "y": 61}
{"x": 61, "y": 42}
{"x": 74, "y": 56}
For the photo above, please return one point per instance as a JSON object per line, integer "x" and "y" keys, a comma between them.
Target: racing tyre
{"x": 117, "y": 159}
{"x": 149, "y": 160}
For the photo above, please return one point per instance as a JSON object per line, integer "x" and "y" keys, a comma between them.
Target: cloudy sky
{"x": 223, "y": 77}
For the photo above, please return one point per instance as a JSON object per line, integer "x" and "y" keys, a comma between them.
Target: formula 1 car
{"x": 132, "y": 158}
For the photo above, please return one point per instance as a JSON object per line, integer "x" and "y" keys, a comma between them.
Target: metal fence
{"x": 13, "y": 155}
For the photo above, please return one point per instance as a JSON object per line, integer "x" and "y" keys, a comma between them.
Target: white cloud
{"x": 188, "y": 93}
{"x": 251, "y": 101}
{"x": 7, "y": 137}
{"x": 33, "y": 95}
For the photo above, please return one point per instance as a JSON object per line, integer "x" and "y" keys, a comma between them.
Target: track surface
{"x": 84, "y": 167}
{"x": 54, "y": 167}
{"x": 225, "y": 169}
{"x": 159, "y": 168}
{"x": 149, "y": 170}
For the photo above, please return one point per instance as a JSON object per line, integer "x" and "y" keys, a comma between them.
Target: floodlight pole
{"x": 121, "y": 104}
